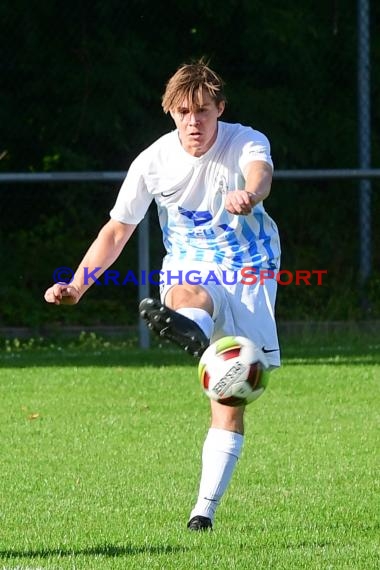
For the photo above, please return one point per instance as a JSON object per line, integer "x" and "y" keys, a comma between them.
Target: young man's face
{"x": 197, "y": 124}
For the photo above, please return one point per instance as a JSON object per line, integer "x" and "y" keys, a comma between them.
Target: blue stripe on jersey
{"x": 228, "y": 249}
{"x": 234, "y": 246}
{"x": 199, "y": 255}
{"x": 264, "y": 236}
{"x": 251, "y": 237}
{"x": 219, "y": 256}
{"x": 199, "y": 217}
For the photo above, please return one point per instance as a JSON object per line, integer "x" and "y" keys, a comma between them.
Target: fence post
{"x": 143, "y": 265}
{"x": 364, "y": 144}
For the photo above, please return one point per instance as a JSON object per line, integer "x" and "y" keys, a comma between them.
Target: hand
{"x": 62, "y": 294}
{"x": 239, "y": 202}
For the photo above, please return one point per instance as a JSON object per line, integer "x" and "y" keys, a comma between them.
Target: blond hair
{"x": 188, "y": 82}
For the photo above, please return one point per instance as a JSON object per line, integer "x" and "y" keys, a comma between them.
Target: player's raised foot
{"x": 199, "y": 523}
{"x": 173, "y": 326}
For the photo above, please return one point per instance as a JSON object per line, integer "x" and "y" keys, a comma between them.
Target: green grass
{"x": 100, "y": 458}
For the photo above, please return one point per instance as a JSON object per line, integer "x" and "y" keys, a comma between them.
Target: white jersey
{"x": 190, "y": 193}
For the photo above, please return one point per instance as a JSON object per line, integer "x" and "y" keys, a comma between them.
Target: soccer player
{"x": 209, "y": 179}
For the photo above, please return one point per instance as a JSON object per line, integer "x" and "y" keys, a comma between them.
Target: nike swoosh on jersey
{"x": 167, "y": 194}
{"x": 266, "y": 350}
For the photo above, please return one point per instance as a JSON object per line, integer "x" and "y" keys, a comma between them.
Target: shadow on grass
{"x": 334, "y": 352}
{"x": 107, "y": 550}
{"x": 157, "y": 358}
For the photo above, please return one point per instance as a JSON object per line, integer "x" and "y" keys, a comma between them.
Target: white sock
{"x": 221, "y": 451}
{"x": 201, "y": 317}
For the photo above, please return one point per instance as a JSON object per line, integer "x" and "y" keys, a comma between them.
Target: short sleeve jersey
{"x": 190, "y": 193}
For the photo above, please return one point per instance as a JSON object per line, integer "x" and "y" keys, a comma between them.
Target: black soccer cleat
{"x": 173, "y": 326}
{"x": 199, "y": 523}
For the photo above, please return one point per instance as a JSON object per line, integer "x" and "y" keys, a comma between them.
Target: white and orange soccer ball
{"x": 233, "y": 371}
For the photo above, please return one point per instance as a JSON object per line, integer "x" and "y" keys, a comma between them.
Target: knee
{"x": 195, "y": 296}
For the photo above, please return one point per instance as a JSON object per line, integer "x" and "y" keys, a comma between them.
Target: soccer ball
{"x": 233, "y": 371}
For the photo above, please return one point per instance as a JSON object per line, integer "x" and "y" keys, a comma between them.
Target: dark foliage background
{"x": 81, "y": 90}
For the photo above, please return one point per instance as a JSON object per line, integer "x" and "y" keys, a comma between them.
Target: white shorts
{"x": 241, "y": 307}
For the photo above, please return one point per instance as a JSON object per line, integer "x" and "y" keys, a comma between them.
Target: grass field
{"x": 100, "y": 458}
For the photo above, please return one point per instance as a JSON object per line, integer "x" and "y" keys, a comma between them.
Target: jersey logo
{"x": 198, "y": 217}
{"x": 167, "y": 194}
{"x": 226, "y": 228}
{"x": 222, "y": 185}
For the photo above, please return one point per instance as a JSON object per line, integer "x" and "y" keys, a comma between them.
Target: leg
{"x": 227, "y": 418}
{"x": 184, "y": 319}
{"x": 221, "y": 451}
{"x": 191, "y": 296}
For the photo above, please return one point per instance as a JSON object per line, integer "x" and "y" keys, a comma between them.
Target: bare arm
{"x": 258, "y": 180}
{"x": 104, "y": 250}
